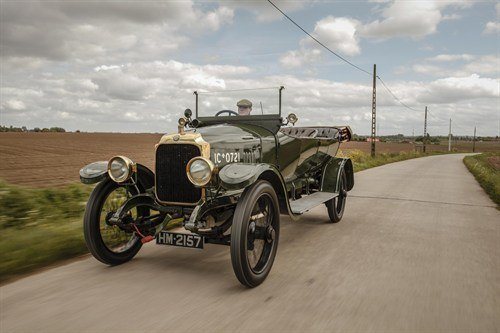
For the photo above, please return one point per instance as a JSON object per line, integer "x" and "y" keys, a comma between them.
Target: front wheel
{"x": 108, "y": 243}
{"x": 336, "y": 205}
{"x": 255, "y": 234}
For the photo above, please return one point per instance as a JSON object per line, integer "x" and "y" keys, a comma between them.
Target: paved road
{"x": 418, "y": 250}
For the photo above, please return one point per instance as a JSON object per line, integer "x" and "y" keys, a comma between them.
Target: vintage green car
{"x": 226, "y": 178}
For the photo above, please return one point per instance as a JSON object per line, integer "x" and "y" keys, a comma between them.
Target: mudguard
{"x": 98, "y": 171}
{"x": 238, "y": 176}
{"x": 331, "y": 174}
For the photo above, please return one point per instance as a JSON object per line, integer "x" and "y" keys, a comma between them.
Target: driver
{"x": 244, "y": 107}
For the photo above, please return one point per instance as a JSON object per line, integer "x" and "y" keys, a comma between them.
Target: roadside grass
{"x": 362, "y": 160}
{"x": 486, "y": 169}
{"x": 39, "y": 227}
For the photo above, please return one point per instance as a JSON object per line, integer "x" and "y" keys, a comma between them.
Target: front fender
{"x": 98, "y": 171}
{"x": 238, "y": 176}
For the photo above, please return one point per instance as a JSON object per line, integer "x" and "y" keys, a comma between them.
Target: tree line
{"x": 36, "y": 129}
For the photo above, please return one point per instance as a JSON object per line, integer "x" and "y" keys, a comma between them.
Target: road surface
{"x": 418, "y": 250}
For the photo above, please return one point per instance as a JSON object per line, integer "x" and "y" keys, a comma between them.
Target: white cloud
{"x": 215, "y": 19}
{"x": 454, "y": 89}
{"x": 415, "y": 19}
{"x": 459, "y": 65}
{"x": 400, "y": 18}
{"x": 262, "y": 10}
{"x": 132, "y": 116}
{"x": 13, "y": 104}
{"x": 451, "y": 57}
{"x": 488, "y": 64}
{"x": 338, "y": 33}
{"x": 103, "y": 31}
{"x": 410, "y": 19}
{"x": 148, "y": 96}
{"x": 299, "y": 58}
{"x": 105, "y": 68}
{"x": 428, "y": 69}
{"x": 492, "y": 28}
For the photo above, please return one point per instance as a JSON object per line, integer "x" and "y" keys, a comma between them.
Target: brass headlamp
{"x": 121, "y": 168}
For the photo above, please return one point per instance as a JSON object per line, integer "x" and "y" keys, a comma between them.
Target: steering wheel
{"x": 229, "y": 113}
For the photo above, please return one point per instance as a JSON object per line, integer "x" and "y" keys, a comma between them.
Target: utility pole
{"x": 474, "y": 141}
{"x": 374, "y": 108}
{"x": 449, "y": 138}
{"x": 425, "y": 129}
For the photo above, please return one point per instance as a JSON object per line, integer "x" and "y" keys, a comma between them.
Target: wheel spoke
{"x": 113, "y": 237}
{"x": 259, "y": 239}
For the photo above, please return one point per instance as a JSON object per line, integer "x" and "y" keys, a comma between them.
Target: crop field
{"x": 54, "y": 159}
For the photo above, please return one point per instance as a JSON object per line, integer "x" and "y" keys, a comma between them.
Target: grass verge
{"x": 39, "y": 227}
{"x": 362, "y": 161}
{"x": 486, "y": 169}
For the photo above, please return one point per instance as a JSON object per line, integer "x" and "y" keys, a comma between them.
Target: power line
{"x": 317, "y": 41}
{"x": 433, "y": 116}
{"x": 350, "y": 63}
{"x": 340, "y": 57}
{"x": 395, "y": 97}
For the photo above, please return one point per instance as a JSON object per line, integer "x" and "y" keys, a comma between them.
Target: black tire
{"x": 336, "y": 205}
{"x": 92, "y": 227}
{"x": 260, "y": 198}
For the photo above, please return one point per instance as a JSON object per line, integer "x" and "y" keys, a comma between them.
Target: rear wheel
{"x": 336, "y": 205}
{"x": 108, "y": 243}
{"x": 255, "y": 234}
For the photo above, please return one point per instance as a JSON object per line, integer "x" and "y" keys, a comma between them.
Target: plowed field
{"x": 54, "y": 159}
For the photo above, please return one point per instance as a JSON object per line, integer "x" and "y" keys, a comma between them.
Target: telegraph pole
{"x": 374, "y": 108}
{"x": 449, "y": 138}
{"x": 425, "y": 129}
{"x": 474, "y": 141}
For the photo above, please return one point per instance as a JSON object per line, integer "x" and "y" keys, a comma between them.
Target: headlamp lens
{"x": 200, "y": 171}
{"x": 118, "y": 169}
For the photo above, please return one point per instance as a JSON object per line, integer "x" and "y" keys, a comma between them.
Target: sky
{"x": 132, "y": 66}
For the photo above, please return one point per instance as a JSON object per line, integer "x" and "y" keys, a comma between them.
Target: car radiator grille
{"x": 172, "y": 183}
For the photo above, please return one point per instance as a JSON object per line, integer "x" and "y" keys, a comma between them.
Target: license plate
{"x": 184, "y": 240}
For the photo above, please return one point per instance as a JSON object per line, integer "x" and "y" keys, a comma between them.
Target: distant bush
{"x": 36, "y": 129}
{"x": 57, "y": 129}
{"x": 10, "y": 129}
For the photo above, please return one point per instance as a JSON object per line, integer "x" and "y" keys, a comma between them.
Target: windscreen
{"x": 241, "y": 102}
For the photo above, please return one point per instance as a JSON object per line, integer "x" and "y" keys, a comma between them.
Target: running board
{"x": 308, "y": 202}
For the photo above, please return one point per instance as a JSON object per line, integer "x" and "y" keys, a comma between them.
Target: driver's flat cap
{"x": 244, "y": 103}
